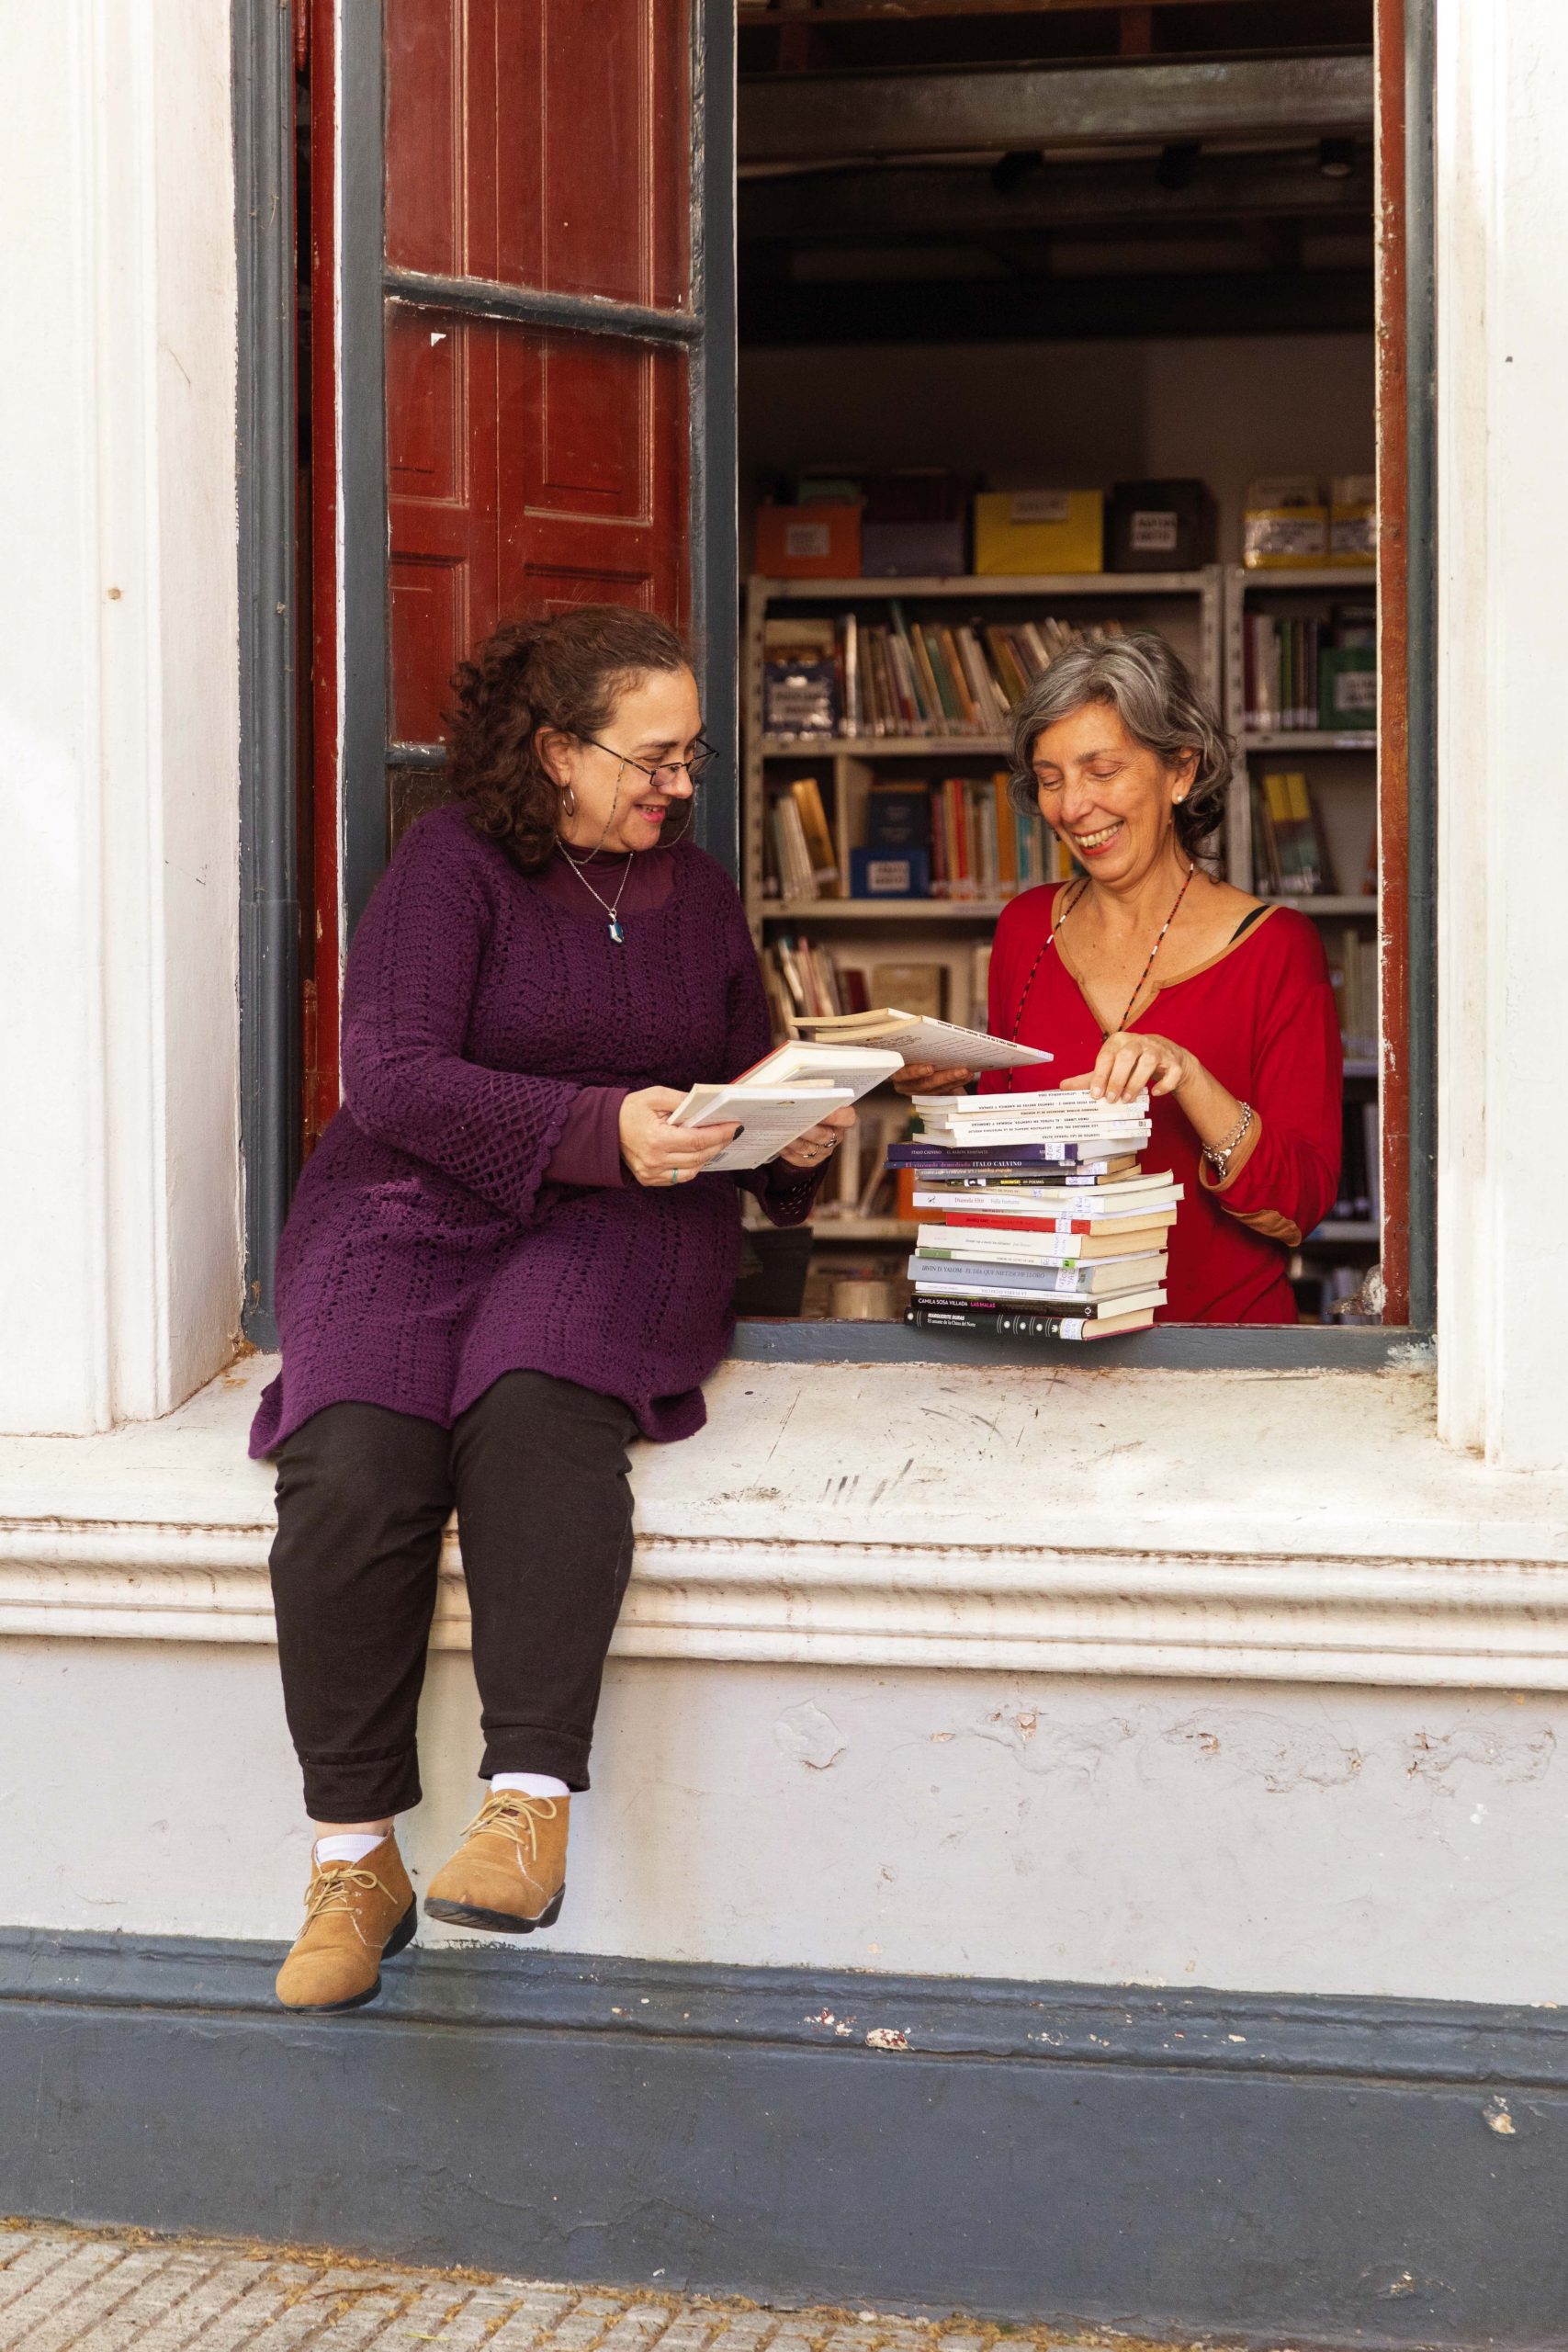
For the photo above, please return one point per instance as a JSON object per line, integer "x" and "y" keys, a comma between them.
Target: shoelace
{"x": 512, "y": 1814}
{"x": 329, "y": 1890}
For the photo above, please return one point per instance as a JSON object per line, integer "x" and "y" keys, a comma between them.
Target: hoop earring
{"x": 569, "y": 800}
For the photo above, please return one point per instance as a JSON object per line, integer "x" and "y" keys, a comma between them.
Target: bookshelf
{"x": 1187, "y": 607}
{"x": 1340, "y": 765}
{"x": 1186, "y": 604}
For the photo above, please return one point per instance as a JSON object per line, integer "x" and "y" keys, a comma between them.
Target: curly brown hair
{"x": 565, "y": 669}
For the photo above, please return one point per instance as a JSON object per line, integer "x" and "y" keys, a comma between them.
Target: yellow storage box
{"x": 1038, "y": 530}
{"x": 1284, "y": 526}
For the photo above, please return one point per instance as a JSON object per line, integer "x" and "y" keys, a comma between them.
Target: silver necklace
{"x": 616, "y": 934}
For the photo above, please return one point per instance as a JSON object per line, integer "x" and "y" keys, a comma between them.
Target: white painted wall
{"x": 1106, "y": 1831}
{"x": 1502, "y": 180}
{"x": 118, "y": 1184}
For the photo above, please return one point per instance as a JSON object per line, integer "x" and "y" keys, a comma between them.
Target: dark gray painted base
{"x": 1325, "y": 2172}
{"x": 1170, "y": 1347}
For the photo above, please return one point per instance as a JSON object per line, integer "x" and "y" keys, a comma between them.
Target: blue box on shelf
{"x": 890, "y": 873}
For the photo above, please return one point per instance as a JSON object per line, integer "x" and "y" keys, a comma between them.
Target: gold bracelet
{"x": 1219, "y": 1155}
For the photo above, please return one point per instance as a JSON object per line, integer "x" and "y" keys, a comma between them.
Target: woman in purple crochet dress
{"x": 502, "y": 1263}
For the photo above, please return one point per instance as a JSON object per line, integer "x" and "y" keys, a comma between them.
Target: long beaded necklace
{"x": 1050, "y": 941}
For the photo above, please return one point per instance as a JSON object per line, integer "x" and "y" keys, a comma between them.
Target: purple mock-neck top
{"x": 432, "y": 1245}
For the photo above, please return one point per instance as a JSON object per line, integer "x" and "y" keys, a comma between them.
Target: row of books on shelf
{"x": 846, "y": 676}
{"x": 1290, "y": 843}
{"x": 1353, "y": 972}
{"x": 1360, "y": 1199}
{"x": 1306, "y": 674}
{"x": 805, "y": 980}
{"x": 959, "y": 838}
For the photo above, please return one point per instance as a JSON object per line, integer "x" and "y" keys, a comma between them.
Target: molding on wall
{"x": 1500, "y": 1625}
{"x": 1322, "y": 2171}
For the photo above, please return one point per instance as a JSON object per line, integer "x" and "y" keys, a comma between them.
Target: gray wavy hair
{"x": 1152, "y": 693}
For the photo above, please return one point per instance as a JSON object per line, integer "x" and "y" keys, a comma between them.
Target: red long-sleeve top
{"x": 1260, "y": 1017}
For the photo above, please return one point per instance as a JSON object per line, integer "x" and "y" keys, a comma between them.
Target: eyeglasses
{"x": 703, "y": 756}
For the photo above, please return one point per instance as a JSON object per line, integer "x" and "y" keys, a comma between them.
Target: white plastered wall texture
{"x": 1107, "y": 1831}
{"x": 118, "y": 700}
{"x": 1501, "y": 195}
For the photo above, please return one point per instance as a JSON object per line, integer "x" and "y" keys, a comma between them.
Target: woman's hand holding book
{"x": 658, "y": 1153}
{"x": 812, "y": 1148}
{"x": 925, "y": 1078}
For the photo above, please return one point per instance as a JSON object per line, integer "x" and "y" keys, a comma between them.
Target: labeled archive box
{"x": 1160, "y": 527}
{"x": 915, "y": 525}
{"x": 1353, "y": 518}
{"x": 1039, "y": 531}
{"x": 817, "y": 542}
{"x": 1348, "y": 688}
{"x": 1285, "y": 524}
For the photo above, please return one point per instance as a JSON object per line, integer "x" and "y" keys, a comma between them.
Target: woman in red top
{"x": 1146, "y": 970}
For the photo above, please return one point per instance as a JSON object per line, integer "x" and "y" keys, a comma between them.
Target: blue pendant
{"x": 616, "y": 934}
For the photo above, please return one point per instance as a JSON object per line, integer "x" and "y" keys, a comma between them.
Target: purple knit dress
{"x": 426, "y": 1252}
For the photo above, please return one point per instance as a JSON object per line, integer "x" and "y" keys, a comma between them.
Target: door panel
{"x": 541, "y": 143}
{"x": 513, "y": 455}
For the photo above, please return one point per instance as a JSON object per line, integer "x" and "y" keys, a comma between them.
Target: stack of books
{"x": 1037, "y": 1219}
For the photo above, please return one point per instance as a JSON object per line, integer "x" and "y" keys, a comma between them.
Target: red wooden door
{"x": 515, "y": 184}
{"x": 530, "y": 145}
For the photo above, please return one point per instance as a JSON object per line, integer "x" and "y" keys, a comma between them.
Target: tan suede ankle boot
{"x": 356, "y": 1914}
{"x": 509, "y": 1873}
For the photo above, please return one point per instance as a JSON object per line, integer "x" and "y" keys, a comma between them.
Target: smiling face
{"x": 1108, "y": 795}
{"x": 608, "y": 802}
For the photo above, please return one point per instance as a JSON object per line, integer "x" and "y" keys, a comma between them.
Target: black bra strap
{"x": 1248, "y": 919}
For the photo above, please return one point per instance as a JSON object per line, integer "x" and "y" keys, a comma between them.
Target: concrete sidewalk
{"x": 67, "y": 2291}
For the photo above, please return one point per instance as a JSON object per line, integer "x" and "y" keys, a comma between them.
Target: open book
{"x": 915, "y": 1037}
{"x": 779, "y": 1097}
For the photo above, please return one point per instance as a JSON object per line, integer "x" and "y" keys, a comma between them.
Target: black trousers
{"x": 537, "y": 1470}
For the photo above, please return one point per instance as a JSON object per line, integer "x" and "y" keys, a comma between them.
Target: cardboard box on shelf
{"x": 1353, "y": 518}
{"x": 1026, "y": 531}
{"x": 915, "y": 525}
{"x": 819, "y": 542}
{"x": 1160, "y": 527}
{"x": 1285, "y": 524}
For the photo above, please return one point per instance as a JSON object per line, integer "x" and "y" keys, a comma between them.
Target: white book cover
{"x": 770, "y": 1117}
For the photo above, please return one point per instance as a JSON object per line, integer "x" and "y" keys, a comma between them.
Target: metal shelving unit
{"x": 851, "y": 759}
{"x": 1359, "y": 1235}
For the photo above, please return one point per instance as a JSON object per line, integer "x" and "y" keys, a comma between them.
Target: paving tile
{"x": 533, "y": 2319}
{"x": 52, "y": 2283}
{"x": 64, "y": 2291}
{"x": 35, "y": 2255}
{"x": 72, "y": 2323}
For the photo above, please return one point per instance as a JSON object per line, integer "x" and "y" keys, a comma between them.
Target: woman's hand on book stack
{"x": 1132, "y": 1059}
{"x": 658, "y": 1153}
{"x": 812, "y": 1148}
{"x": 924, "y": 1078}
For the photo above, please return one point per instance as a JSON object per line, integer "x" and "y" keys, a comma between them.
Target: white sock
{"x": 531, "y": 1784}
{"x": 351, "y": 1847}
